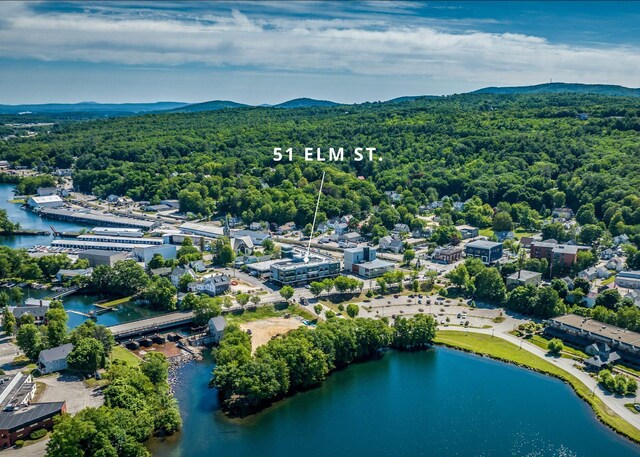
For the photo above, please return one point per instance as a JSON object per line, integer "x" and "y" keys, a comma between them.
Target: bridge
{"x": 151, "y": 325}
{"x": 63, "y": 293}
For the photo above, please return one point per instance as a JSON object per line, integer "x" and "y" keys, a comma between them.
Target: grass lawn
{"x": 522, "y": 232}
{"x": 542, "y": 343}
{"x": 486, "y": 232}
{"x": 503, "y": 350}
{"x": 266, "y": 312}
{"x": 113, "y": 303}
{"x": 608, "y": 280}
{"x": 630, "y": 407}
{"x": 121, "y": 353}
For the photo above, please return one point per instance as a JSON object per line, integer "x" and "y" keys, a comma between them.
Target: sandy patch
{"x": 263, "y": 330}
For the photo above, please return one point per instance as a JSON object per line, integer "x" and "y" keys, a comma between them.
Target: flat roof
{"x": 524, "y": 274}
{"x": 100, "y": 253}
{"x": 94, "y": 216}
{"x": 46, "y": 199}
{"x": 292, "y": 264}
{"x": 599, "y": 328}
{"x": 377, "y": 263}
{"x": 483, "y": 244}
{"x": 212, "y": 230}
{"x": 98, "y": 244}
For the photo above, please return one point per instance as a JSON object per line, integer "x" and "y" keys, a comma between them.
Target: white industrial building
{"x": 46, "y": 201}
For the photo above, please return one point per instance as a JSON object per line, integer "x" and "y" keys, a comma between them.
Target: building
{"x": 487, "y": 251}
{"x": 297, "y": 271}
{"x": 242, "y": 245}
{"x": 38, "y": 312}
{"x": 562, "y": 213}
{"x": 99, "y": 245}
{"x": 401, "y": 228}
{"x": 96, "y": 218}
{"x": 19, "y": 423}
{"x": 216, "y": 328}
{"x": 584, "y": 331}
{"x": 350, "y": 237}
{"x": 46, "y": 191}
{"x": 628, "y": 279}
{"x": 341, "y": 228}
{"x": 63, "y": 274}
{"x": 389, "y": 243}
{"x": 179, "y": 272}
{"x": 213, "y": 285}
{"x": 16, "y": 391}
{"x": 257, "y": 237}
{"x": 175, "y": 204}
{"x": 97, "y": 257}
{"x": 47, "y": 201}
{"x": 504, "y": 235}
{"x": 468, "y": 231}
{"x": 524, "y": 278}
{"x": 363, "y": 261}
{"x": 447, "y": 254}
{"x": 118, "y": 231}
{"x": 394, "y": 196}
{"x": 255, "y": 226}
{"x": 37, "y": 302}
{"x": 563, "y": 255}
{"x": 146, "y": 253}
{"x": 54, "y": 359}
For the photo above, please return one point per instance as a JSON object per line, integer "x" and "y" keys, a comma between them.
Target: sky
{"x": 259, "y": 52}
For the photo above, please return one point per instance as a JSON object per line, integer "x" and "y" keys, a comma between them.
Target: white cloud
{"x": 351, "y": 45}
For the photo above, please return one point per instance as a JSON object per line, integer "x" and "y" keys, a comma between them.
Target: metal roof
{"x": 11, "y": 420}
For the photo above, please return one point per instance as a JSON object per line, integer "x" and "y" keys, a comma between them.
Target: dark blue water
{"x": 442, "y": 403}
{"x": 29, "y": 221}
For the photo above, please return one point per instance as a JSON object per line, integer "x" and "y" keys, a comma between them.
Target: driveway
{"x": 65, "y": 387}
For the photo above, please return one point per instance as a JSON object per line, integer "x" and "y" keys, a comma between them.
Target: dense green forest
{"x": 526, "y": 149}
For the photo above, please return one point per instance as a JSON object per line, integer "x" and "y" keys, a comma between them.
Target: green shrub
{"x": 555, "y": 346}
{"x": 19, "y": 443}
{"x": 37, "y": 434}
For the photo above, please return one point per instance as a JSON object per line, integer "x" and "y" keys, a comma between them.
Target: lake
{"x": 441, "y": 403}
{"x": 30, "y": 221}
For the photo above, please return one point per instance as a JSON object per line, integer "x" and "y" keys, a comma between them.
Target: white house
{"x": 616, "y": 263}
{"x": 216, "y": 328}
{"x": 54, "y": 359}
{"x": 255, "y": 226}
{"x": 401, "y": 228}
{"x": 213, "y": 285}
{"x": 178, "y": 272}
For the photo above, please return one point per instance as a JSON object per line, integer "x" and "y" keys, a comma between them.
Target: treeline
{"x": 524, "y": 150}
{"x": 138, "y": 405}
{"x": 18, "y": 264}
{"x": 303, "y": 358}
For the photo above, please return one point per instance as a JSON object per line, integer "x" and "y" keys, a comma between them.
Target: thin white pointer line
{"x": 313, "y": 226}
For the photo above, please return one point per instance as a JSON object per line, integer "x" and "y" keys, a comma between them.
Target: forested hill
{"x": 527, "y": 149}
{"x": 556, "y": 88}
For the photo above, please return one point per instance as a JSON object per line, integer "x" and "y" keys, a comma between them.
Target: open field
{"x": 500, "y": 349}
{"x": 121, "y": 353}
{"x": 263, "y": 330}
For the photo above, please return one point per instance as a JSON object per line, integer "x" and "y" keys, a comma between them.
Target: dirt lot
{"x": 169, "y": 349}
{"x": 263, "y": 330}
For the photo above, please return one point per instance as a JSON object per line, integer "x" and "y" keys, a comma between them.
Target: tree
{"x": 243, "y": 299}
{"x": 204, "y": 309}
{"x": 502, "y": 222}
{"x": 352, "y": 310}
{"x": 157, "y": 261}
{"x": 459, "y": 276}
{"x": 382, "y": 285}
{"x": 555, "y": 346}
{"x": 548, "y": 303}
{"x": 414, "y": 333}
{"x": 316, "y": 288}
{"x": 610, "y": 299}
{"x": 9, "y": 321}
{"x": 89, "y": 329}
{"x": 561, "y": 287}
{"x": 56, "y": 328}
{"x": 582, "y": 284}
{"x": 184, "y": 282}
{"x": 287, "y": 292}
{"x": 590, "y": 233}
{"x": 16, "y": 295}
{"x": 408, "y": 256}
{"x": 317, "y": 308}
{"x": 155, "y": 366}
{"x": 87, "y": 355}
{"x": 255, "y": 299}
{"x": 489, "y": 285}
{"x": 160, "y": 294}
{"x": 29, "y": 340}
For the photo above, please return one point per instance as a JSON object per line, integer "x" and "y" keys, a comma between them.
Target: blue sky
{"x": 267, "y": 52}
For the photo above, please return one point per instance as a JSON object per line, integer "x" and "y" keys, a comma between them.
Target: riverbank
{"x": 500, "y": 349}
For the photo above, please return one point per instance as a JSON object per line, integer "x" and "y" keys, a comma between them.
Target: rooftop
{"x": 56, "y": 353}
{"x": 46, "y": 199}
{"x": 483, "y": 244}
{"x": 218, "y": 322}
{"x": 599, "y": 328}
{"x": 377, "y": 263}
{"x": 28, "y": 415}
{"x": 524, "y": 275}
{"x": 100, "y": 253}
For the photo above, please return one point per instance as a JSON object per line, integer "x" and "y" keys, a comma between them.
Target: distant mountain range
{"x": 556, "y": 88}
{"x": 121, "y": 109}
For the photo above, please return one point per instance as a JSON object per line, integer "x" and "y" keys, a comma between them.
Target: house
{"x": 526, "y": 241}
{"x": 504, "y": 235}
{"x": 255, "y": 226}
{"x": 562, "y": 213}
{"x": 54, "y": 359}
{"x": 174, "y": 204}
{"x": 616, "y": 263}
{"x": 213, "y": 285}
{"x": 603, "y": 273}
{"x": 257, "y": 237}
{"x": 401, "y": 228}
{"x": 389, "y": 243}
{"x": 589, "y": 274}
{"x": 447, "y": 254}
{"x": 178, "y": 272}
{"x": 350, "y": 237}
{"x": 394, "y": 196}
{"x": 198, "y": 265}
{"x": 37, "y": 302}
{"x": 48, "y": 201}
{"x": 628, "y": 279}
{"x": 569, "y": 282}
{"x": 524, "y": 278}
{"x": 46, "y": 191}
{"x": 487, "y": 251}
{"x": 341, "y": 228}
{"x": 216, "y": 327}
{"x": 424, "y": 232}
{"x": 458, "y": 206}
{"x": 157, "y": 208}
{"x": 590, "y": 299}
{"x": 633, "y": 295}
{"x": 113, "y": 198}
{"x": 4, "y": 165}
{"x": 63, "y": 274}
{"x": 621, "y": 239}
{"x": 163, "y": 271}
{"x": 38, "y": 312}
{"x": 467, "y": 231}
{"x": 286, "y": 228}
{"x": 608, "y": 254}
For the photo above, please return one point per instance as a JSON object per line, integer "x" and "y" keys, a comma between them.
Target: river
{"x": 78, "y": 302}
{"x": 30, "y": 221}
{"x": 441, "y": 403}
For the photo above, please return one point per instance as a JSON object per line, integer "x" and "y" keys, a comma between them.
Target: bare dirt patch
{"x": 263, "y": 330}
